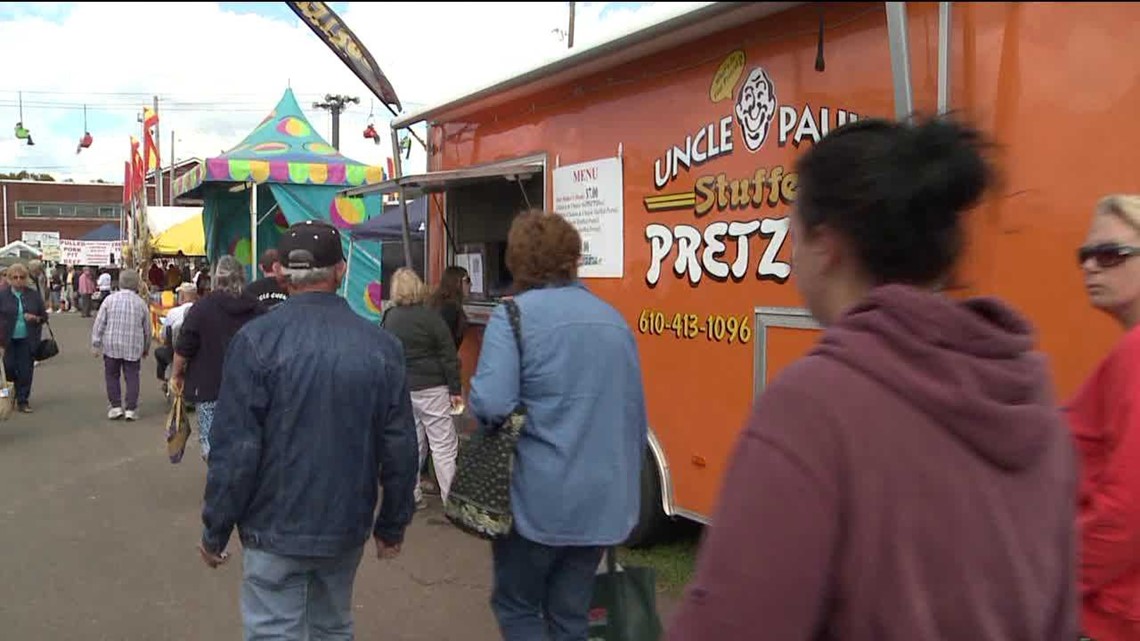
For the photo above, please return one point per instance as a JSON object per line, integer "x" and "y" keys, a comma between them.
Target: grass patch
{"x": 673, "y": 556}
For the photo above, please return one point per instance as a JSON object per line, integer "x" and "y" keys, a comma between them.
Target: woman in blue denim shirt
{"x": 575, "y": 487}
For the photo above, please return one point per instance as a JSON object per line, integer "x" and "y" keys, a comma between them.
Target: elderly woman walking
{"x": 122, "y": 335}
{"x": 201, "y": 346}
{"x": 575, "y": 486}
{"x": 22, "y": 315}
{"x": 433, "y": 374}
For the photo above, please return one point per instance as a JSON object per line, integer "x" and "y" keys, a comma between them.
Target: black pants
{"x": 85, "y": 305}
{"x": 20, "y": 367}
{"x": 163, "y": 357}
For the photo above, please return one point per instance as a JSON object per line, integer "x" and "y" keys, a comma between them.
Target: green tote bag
{"x": 624, "y": 605}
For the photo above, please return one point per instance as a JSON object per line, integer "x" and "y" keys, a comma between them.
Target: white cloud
{"x": 218, "y": 73}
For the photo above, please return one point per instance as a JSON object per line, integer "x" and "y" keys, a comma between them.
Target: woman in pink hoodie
{"x": 1105, "y": 416}
{"x": 910, "y": 478}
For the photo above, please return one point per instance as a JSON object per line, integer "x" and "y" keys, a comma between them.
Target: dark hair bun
{"x": 947, "y": 173}
{"x": 897, "y": 192}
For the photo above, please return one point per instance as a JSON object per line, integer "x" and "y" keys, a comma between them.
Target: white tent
{"x": 19, "y": 249}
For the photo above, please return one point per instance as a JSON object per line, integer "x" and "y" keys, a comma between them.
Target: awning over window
{"x": 438, "y": 181}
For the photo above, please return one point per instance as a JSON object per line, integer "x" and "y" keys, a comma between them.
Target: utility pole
{"x": 335, "y": 106}
{"x": 570, "y": 33}
{"x": 171, "y": 194}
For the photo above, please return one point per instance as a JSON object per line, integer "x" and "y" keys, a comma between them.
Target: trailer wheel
{"x": 651, "y": 517}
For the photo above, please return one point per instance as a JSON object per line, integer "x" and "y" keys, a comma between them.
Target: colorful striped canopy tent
{"x": 285, "y": 149}
{"x": 283, "y": 173}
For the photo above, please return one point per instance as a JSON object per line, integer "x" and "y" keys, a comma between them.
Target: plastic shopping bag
{"x": 177, "y": 430}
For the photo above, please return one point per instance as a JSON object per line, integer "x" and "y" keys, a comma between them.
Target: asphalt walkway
{"x": 98, "y": 531}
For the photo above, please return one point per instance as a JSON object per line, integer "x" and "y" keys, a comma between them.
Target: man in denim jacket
{"x": 314, "y": 412}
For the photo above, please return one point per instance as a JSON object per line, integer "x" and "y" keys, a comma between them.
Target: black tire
{"x": 651, "y": 518}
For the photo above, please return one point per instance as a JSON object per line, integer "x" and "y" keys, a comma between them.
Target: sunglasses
{"x": 1106, "y": 255}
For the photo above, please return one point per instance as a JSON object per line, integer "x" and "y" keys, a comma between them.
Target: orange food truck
{"x": 673, "y": 149}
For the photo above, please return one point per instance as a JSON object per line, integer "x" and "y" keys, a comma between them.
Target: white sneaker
{"x": 115, "y": 413}
{"x": 131, "y": 415}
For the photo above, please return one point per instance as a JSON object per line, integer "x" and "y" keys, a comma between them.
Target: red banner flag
{"x": 128, "y": 180}
{"x": 138, "y": 171}
{"x": 150, "y": 151}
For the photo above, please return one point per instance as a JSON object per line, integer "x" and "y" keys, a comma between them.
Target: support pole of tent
{"x": 943, "y": 57}
{"x": 900, "y": 59}
{"x": 268, "y": 213}
{"x": 398, "y": 165}
{"x": 348, "y": 267}
{"x": 252, "y": 228}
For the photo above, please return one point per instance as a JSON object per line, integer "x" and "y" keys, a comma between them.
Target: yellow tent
{"x": 188, "y": 236}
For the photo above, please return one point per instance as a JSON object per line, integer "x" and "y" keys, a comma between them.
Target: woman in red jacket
{"x": 1105, "y": 416}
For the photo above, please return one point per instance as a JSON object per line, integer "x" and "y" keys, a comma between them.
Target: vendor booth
{"x": 187, "y": 238}
{"x": 387, "y": 228}
{"x": 176, "y": 230}
{"x": 283, "y": 173}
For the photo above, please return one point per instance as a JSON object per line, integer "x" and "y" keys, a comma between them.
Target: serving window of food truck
{"x": 477, "y": 204}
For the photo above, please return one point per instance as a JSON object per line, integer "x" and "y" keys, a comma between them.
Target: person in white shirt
{"x": 103, "y": 287}
{"x": 171, "y": 324}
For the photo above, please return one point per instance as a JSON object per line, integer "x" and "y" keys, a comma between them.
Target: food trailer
{"x": 673, "y": 149}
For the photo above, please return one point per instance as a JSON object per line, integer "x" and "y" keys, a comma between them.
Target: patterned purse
{"x": 480, "y": 499}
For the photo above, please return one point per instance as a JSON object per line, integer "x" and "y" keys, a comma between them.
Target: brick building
{"x": 72, "y": 209}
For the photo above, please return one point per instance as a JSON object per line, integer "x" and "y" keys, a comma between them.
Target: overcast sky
{"x": 219, "y": 68}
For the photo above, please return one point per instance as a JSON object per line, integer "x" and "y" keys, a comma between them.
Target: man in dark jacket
{"x": 313, "y": 415}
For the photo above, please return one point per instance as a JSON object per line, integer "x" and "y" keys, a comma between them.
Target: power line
{"x": 220, "y": 100}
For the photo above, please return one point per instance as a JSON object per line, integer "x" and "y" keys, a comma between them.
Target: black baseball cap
{"x": 312, "y": 244}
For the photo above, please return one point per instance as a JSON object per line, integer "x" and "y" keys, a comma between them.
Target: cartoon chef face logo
{"x": 756, "y": 107}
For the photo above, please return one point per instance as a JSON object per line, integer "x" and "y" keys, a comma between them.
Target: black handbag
{"x": 47, "y": 347}
{"x": 624, "y": 603}
{"x": 479, "y": 502}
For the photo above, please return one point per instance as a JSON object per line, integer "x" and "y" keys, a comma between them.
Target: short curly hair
{"x": 542, "y": 249}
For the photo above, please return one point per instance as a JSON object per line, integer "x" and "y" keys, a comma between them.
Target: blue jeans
{"x": 205, "y": 411}
{"x": 543, "y": 592}
{"x": 286, "y": 598}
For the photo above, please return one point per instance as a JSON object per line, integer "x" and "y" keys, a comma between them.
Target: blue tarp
{"x": 109, "y": 231}
{"x": 389, "y": 224}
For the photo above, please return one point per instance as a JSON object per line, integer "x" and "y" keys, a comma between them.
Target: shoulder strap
{"x": 515, "y": 317}
{"x": 384, "y": 316}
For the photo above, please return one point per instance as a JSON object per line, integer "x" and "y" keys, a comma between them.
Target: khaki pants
{"x": 435, "y": 429}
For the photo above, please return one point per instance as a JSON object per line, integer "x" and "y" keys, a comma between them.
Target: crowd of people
{"x": 912, "y": 477}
